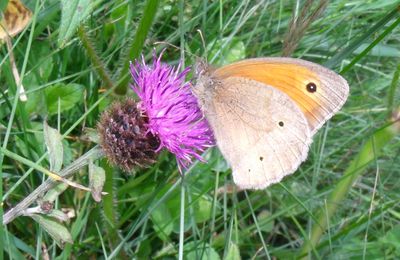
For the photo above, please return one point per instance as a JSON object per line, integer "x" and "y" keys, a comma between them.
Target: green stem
{"x": 93, "y": 154}
{"x": 94, "y": 57}
{"x": 149, "y": 13}
{"x": 182, "y": 220}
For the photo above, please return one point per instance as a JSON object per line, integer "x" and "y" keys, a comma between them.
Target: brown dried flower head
{"x": 125, "y": 137}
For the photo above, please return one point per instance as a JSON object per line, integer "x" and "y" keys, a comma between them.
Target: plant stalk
{"x": 93, "y": 154}
{"x": 143, "y": 29}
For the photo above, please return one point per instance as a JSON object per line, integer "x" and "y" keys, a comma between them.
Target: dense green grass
{"x": 342, "y": 203}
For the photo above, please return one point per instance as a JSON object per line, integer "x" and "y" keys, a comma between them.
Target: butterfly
{"x": 15, "y": 18}
{"x": 265, "y": 111}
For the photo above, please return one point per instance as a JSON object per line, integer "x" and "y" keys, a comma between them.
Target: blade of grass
{"x": 392, "y": 91}
{"x": 149, "y": 14}
{"x": 11, "y": 119}
{"x": 93, "y": 154}
{"x": 346, "y": 52}
{"x": 54, "y": 176}
{"x": 153, "y": 204}
{"x": 257, "y": 226}
{"x": 370, "y": 150}
{"x": 372, "y": 45}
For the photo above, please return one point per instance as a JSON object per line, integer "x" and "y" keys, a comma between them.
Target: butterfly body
{"x": 264, "y": 112}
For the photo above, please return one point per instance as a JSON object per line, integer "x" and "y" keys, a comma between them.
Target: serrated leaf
{"x": 54, "y": 145}
{"x": 73, "y": 12}
{"x": 52, "y": 194}
{"x": 233, "y": 252}
{"x": 97, "y": 177}
{"x": 69, "y": 95}
{"x": 56, "y": 230}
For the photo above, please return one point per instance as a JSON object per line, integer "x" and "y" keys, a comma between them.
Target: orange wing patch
{"x": 290, "y": 78}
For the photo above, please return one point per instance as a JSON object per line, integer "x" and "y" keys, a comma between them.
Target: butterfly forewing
{"x": 319, "y": 92}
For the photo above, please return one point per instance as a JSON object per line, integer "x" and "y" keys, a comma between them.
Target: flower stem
{"x": 182, "y": 220}
{"x": 93, "y": 154}
{"x": 99, "y": 66}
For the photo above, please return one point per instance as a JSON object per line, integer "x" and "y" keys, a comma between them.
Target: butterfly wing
{"x": 260, "y": 131}
{"x": 16, "y": 17}
{"x": 298, "y": 79}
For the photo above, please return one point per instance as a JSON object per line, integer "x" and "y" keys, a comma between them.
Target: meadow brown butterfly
{"x": 264, "y": 112}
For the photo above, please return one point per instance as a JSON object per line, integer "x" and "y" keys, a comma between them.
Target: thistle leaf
{"x": 73, "y": 12}
{"x": 97, "y": 177}
{"x": 56, "y": 230}
{"x": 54, "y": 146}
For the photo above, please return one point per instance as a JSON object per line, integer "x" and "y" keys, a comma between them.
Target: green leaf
{"x": 199, "y": 250}
{"x": 59, "y": 215}
{"x": 57, "y": 231}
{"x": 97, "y": 177}
{"x": 264, "y": 221}
{"x": 73, "y": 12}
{"x": 69, "y": 95}
{"x": 13, "y": 245}
{"x": 162, "y": 221}
{"x": 233, "y": 252}
{"x": 52, "y": 194}
{"x": 203, "y": 209}
{"x": 54, "y": 145}
{"x": 91, "y": 135}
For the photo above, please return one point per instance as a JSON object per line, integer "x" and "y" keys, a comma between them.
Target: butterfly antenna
{"x": 204, "y": 44}
{"x": 176, "y": 47}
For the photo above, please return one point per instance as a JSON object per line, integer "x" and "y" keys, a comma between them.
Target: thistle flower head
{"x": 124, "y": 136}
{"x": 172, "y": 110}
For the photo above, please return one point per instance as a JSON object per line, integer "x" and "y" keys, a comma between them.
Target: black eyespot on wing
{"x": 311, "y": 87}
{"x": 261, "y": 158}
{"x": 281, "y": 124}
{"x": 249, "y": 170}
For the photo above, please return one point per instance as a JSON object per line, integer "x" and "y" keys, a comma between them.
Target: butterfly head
{"x": 203, "y": 81}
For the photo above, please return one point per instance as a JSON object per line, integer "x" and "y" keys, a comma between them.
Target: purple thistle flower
{"x": 173, "y": 112}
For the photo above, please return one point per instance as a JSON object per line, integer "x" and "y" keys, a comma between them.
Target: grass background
{"x": 342, "y": 203}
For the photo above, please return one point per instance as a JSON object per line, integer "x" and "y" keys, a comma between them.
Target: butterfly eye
{"x": 281, "y": 124}
{"x": 311, "y": 87}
